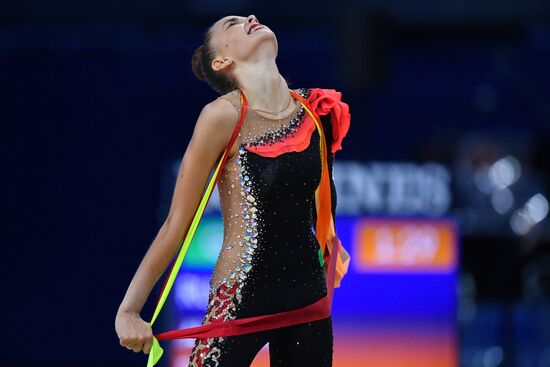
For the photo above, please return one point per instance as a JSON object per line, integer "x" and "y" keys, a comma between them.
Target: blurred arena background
{"x": 443, "y": 180}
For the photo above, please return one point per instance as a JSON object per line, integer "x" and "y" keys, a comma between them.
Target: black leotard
{"x": 269, "y": 261}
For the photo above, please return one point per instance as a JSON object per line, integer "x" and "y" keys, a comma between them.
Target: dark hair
{"x": 201, "y": 63}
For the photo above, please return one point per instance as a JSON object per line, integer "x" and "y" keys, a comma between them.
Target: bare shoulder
{"x": 218, "y": 115}
{"x": 232, "y": 98}
{"x": 213, "y": 130}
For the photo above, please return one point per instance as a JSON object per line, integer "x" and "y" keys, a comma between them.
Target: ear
{"x": 221, "y": 63}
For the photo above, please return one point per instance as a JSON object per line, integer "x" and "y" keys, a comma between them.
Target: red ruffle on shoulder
{"x": 322, "y": 102}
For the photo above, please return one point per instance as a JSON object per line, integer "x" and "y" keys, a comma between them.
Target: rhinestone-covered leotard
{"x": 269, "y": 260}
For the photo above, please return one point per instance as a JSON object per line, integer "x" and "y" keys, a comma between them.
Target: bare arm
{"x": 211, "y": 135}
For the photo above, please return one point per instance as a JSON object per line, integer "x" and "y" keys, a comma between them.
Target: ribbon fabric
{"x": 325, "y": 234}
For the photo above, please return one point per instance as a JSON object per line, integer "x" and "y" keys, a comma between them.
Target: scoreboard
{"x": 395, "y": 307}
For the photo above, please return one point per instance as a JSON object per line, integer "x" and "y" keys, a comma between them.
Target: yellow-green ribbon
{"x": 156, "y": 350}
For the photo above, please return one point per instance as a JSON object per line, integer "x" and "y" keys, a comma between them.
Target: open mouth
{"x": 253, "y": 28}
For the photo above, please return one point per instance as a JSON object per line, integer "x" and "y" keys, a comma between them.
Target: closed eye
{"x": 232, "y": 22}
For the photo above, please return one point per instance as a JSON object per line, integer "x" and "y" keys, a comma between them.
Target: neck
{"x": 264, "y": 87}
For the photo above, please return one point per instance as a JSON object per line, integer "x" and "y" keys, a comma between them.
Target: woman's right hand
{"x": 133, "y": 332}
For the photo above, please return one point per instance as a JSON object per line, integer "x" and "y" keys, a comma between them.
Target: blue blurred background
{"x": 450, "y": 105}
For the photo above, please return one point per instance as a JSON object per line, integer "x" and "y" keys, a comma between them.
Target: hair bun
{"x": 196, "y": 63}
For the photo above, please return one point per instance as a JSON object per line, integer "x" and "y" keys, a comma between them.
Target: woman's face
{"x": 237, "y": 38}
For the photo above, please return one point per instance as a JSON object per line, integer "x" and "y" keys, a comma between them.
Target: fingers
{"x": 142, "y": 342}
{"x": 148, "y": 340}
{"x": 128, "y": 343}
{"x": 147, "y": 346}
{"x": 137, "y": 347}
{"x": 135, "y": 334}
{"x": 145, "y": 343}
